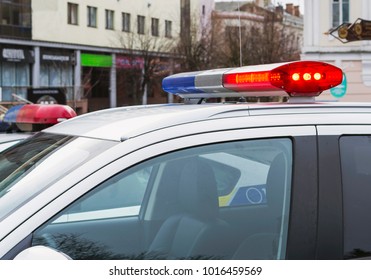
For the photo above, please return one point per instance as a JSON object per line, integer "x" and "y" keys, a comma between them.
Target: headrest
{"x": 276, "y": 181}
{"x": 197, "y": 189}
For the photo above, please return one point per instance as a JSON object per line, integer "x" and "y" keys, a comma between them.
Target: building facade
{"x": 276, "y": 30}
{"x": 96, "y": 52}
{"x": 354, "y": 58}
{"x": 15, "y": 61}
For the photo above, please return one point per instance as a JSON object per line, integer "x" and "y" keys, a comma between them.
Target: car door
{"x": 120, "y": 210}
{"x": 344, "y": 191}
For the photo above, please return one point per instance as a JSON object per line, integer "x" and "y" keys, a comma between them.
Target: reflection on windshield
{"x": 30, "y": 166}
{"x": 15, "y": 162}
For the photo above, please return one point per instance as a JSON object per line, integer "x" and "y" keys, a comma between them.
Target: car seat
{"x": 264, "y": 245}
{"x": 196, "y": 232}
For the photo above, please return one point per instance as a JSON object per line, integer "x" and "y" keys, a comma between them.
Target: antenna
{"x": 239, "y": 30}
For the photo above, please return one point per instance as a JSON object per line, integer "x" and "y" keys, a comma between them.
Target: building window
{"x": 168, "y": 29}
{"x": 141, "y": 22}
{"x": 126, "y": 22}
{"x": 14, "y": 78}
{"x": 57, "y": 74}
{"x": 92, "y": 16}
{"x": 15, "y": 19}
{"x": 155, "y": 27}
{"x": 340, "y": 12}
{"x": 73, "y": 13}
{"x": 109, "y": 19}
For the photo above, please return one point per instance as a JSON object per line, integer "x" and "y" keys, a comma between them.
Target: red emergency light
{"x": 31, "y": 117}
{"x": 300, "y": 78}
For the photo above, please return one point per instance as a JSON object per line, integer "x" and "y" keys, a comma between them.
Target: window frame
{"x": 340, "y": 12}
{"x": 126, "y": 22}
{"x": 276, "y": 207}
{"x": 72, "y": 13}
{"x": 92, "y": 16}
{"x": 110, "y": 19}
{"x": 141, "y": 22}
{"x": 168, "y": 29}
{"x": 155, "y": 27}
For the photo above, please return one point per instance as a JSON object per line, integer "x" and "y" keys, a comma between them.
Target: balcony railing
{"x": 14, "y": 31}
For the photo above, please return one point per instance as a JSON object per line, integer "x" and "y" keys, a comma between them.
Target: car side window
{"x": 219, "y": 201}
{"x": 356, "y": 178}
{"x": 118, "y": 197}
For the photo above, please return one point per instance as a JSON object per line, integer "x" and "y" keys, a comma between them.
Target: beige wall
{"x": 196, "y": 9}
{"x": 318, "y": 21}
{"x": 353, "y": 58}
{"x": 50, "y": 20}
{"x": 356, "y": 89}
{"x": 326, "y": 22}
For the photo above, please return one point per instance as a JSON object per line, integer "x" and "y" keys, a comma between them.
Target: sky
{"x": 295, "y": 2}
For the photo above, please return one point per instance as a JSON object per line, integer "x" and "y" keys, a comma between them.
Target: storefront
{"x": 129, "y": 75}
{"x": 57, "y": 70}
{"x": 96, "y": 80}
{"x": 15, "y": 71}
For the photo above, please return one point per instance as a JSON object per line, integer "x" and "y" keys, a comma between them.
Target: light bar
{"x": 38, "y": 114}
{"x": 299, "y": 78}
{"x": 200, "y": 83}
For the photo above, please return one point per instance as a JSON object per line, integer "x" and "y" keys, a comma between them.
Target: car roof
{"x": 119, "y": 123}
{"x": 122, "y": 123}
{"x": 10, "y": 137}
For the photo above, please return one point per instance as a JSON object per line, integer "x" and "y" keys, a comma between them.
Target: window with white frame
{"x": 92, "y": 16}
{"x": 141, "y": 23}
{"x": 340, "y": 12}
{"x": 126, "y": 22}
{"x": 109, "y": 19}
{"x": 72, "y": 10}
{"x": 168, "y": 24}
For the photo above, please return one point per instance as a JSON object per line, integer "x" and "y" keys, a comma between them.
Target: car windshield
{"x": 29, "y": 167}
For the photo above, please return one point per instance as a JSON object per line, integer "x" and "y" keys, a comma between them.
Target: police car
{"x": 198, "y": 181}
{"x": 21, "y": 121}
